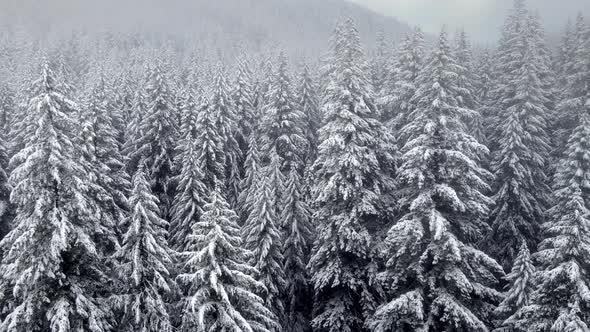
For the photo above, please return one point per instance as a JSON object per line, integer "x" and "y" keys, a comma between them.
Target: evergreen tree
{"x": 263, "y": 237}
{"x": 145, "y": 259}
{"x": 466, "y": 81}
{"x": 249, "y": 185}
{"x": 221, "y": 287}
{"x": 575, "y": 75}
{"x": 438, "y": 280}
{"x": 354, "y": 169}
{"x": 282, "y": 121}
{"x": 561, "y": 300}
{"x": 243, "y": 97}
{"x": 6, "y": 210}
{"x": 102, "y": 154}
{"x": 312, "y": 116}
{"x": 226, "y": 122}
{"x": 520, "y": 143}
{"x": 154, "y": 143}
{"x": 520, "y": 282}
{"x": 51, "y": 259}
{"x": 406, "y": 66}
{"x": 295, "y": 219}
{"x": 191, "y": 192}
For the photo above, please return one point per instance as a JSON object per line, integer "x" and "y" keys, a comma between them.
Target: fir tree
{"x": 295, "y": 219}
{"x": 308, "y": 104}
{"x": 221, "y": 287}
{"x": 226, "y": 122}
{"x": 249, "y": 184}
{"x": 191, "y": 192}
{"x": 51, "y": 260}
{"x": 263, "y": 237}
{"x": 520, "y": 143}
{"x": 243, "y": 96}
{"x": 102, "y": 154}
{"x": 154, "y": 143}
{"x": 438, "y": 280}
{"x": 353, "y": 181}
{"x": 145, "y": 259}
{"x": 282, "y": 121}
{"x": 520, "y": 282}
{"x": 561, "y": 300}
{"x": 406, "y": 66}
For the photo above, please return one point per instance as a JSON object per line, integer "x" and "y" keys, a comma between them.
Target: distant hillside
{"x": 302, "y": 26}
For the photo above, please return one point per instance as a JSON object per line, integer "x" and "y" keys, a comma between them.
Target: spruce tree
{"x": 561, "y": 300}
{"x": 520, "y": 143}
{"x": 520, "y": 283}
{"x": 262, "y": 236}
{"x": 226, "y": 121}
{"x": 353, "y": 173}
{"x": 249, "y": 184}
{"x": 191, "y": 191}
{"x": 243, "y": 96}
{"x": 222, "y": 290}
{"x": 437, "y": 279}
{"x": 145, "y": 259}
{"x": 296, "y": 221}
{"x": 6, "y": 210}
{"x": 52, "y": 257}
{"x": 407, "y": 64}
{"x": 103, "y": 157}
{"x": 283, "y": 121}
{"x": 154, "y": 143}
{"x": 308, "y": 103}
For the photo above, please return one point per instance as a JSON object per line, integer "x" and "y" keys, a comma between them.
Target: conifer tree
{"x": 249, "y": 184}
{"x": 520, "y": 283}
{"x": 262, "y": 236}
{"x": 438, "y": 279}
{"x": 575, "y": 74}
{"x": 520, "y": 143}
{"x": 154, "y": 143}
{"x": 102, "y": 154}
{"x": 243, "y": 96}
{"x": 226, "y": 122}
{"x": 308, "y": 104}
{"x": 561, "y": 300}
{"x": 145, "y": 260}
{"x": 191, "y": 192}
{"x": 295, "y": 219}
{"x": 353, "y": 172}
{"x": 283, "y": 121}
{"x": 222, "y": 290}
{"x": 51, "y": 259}
{"x": 407, "y": 64}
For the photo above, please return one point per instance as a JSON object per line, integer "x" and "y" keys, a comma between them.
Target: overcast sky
{"x": 481, "y": 18}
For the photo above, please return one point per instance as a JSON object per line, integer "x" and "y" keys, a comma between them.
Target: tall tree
{"x": 249, "y": 185}
{"x": 438, "y": 279}
{"x": 520, "y": 143}
{"x": 406, "y": 66}
{"x": 145, "y": 259}
{"x": 354, "y": 169}
{"x": 243, "y": 96}
{"x": 262, "y": 234}
{"x": 296, "y": 221}
{"x": 51, "y": 259}
{"x": 191, "y": 191}
{"x": 308, "y": 103}
{"x": 154, "y": 143}
{"x": 561, "y": 300}
{"x": 283, "y": 121}
{"x": 222, "y": 292}
{"x": 521, "y": 286}
{"x": 226, "y": 121}
{"x": 103, "y": 157}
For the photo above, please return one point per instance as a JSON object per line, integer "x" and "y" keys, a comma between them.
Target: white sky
{"x": 481, "y": 18}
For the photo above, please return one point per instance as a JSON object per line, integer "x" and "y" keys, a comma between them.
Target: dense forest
{"x": 422, "y": 186}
